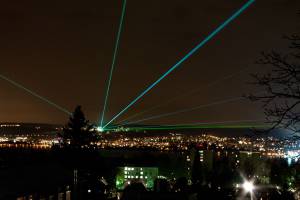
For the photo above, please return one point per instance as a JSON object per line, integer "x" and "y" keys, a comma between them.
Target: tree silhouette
{"x": 281, "y": 100}
{"x": 78, "y": 132}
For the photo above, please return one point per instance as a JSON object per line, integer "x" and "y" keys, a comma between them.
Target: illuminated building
{"x": 127, "y": 175}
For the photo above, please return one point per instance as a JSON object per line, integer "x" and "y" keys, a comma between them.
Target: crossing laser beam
{"x": 203, "y": 126}
{"x": 192, "y": 109}
{"x": 188, "y": 110}
{"x": 194, "y": 91}
{"x": 113, "y": 61}
{"x": 35, "y": 94}
{"x": 219, "y": 122}
{"x": 195, "y": 49}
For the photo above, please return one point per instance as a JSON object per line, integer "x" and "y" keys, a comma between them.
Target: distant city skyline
{"x": 63, "y": 52}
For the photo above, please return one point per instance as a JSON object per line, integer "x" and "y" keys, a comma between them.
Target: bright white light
{"x": 248, "y": 186}
{"x": 100, "y": 129}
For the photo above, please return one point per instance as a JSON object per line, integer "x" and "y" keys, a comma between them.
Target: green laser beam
{"x": 188, "y": 109}
{"x": 35, "y": 94}
{"x": 124, "y": 121}
{"x": 218, "y": 122}
{"x": 212, "y": 126}
{"x": 181, "y": 61}
{"x": 113, "y": 61}
{"x": 247, "y": 123}
{"x": 191, "y": 109}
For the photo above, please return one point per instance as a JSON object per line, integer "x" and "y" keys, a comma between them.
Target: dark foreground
{"x": 90, "y": 174}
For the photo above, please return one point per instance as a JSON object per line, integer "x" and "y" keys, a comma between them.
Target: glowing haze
{"x": 63, "y": 51}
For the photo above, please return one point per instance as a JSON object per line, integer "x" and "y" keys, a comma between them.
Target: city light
{"x": 205, "y": 134}
{"x": 248, "y": 186}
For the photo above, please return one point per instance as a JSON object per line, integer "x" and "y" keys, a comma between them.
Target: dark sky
{"x": 62, "y": 50}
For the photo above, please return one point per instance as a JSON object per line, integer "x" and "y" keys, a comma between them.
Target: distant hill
{"x": 9, "y": 128}
{"x": 225, "y": 131}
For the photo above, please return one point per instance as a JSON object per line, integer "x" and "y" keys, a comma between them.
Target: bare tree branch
{"x": 281, "y": 100}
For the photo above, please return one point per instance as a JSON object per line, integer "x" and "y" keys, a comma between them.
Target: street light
{"x": 248, "y": 186}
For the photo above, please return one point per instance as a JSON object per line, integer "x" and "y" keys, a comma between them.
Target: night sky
{"x": 63, "y": 50}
